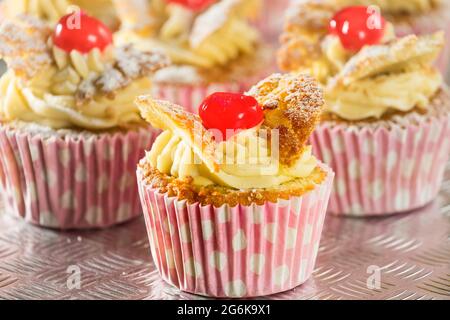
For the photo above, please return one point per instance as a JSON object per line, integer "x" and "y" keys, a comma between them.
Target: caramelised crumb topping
{"x": 184, "y": 189}
{"x": 292, "y": 104}
{"x": 25, "y": 46}
{"x": 304, "y": 30}
{"x": 130, "y": 64}
{"x": 312, "y": 15}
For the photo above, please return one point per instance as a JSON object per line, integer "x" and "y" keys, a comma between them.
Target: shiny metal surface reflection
{"x": 412, "y": 250}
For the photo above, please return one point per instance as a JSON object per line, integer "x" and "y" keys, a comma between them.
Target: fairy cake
{"x": 386, "y": 120}
{"x": 249, "y": 225}
{"x": 69, "y": 128}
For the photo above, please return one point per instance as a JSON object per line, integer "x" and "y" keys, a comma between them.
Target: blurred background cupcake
{"x": 386, "y": 125}
{"x": 407, "y": 16}
{"x": 213, "y": 45}
{"x": 233, "y": 225}
{"x": 70, "y": 134}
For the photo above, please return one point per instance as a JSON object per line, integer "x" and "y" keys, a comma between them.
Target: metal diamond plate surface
{"x": 412, "y": 251}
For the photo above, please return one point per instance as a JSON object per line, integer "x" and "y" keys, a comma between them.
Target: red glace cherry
{"x": 230, "y": 111}
{"x": 194, "y": 5}
{"x": 80, "y": 32}
{"x": 358, "y": 26}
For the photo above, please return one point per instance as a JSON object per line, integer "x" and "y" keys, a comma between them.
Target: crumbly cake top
{"x": 217, "y": 196}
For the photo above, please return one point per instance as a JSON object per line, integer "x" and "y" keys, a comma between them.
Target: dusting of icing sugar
{"x": 130, "y": 64}
{"x": 134, "y": 63}
{"x": 19, "y": 38}
{"x": 178, "y": 74}
{"x": 27, "y": 49}
{"x": 379, "y": 58}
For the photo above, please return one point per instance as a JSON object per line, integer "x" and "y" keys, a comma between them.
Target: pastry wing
{"x": 168, "y": 116}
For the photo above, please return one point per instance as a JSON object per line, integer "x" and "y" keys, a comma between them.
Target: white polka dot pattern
{"x": 218, "y": 260}
{"x": 257, "y": 262}
{"x": 208, "y": 229}
{"x": 68, "y": 183}
{"x": 235, "y": 289}
{"x": 239, "y": 241}
{"x": 383, "y": 171}
{"x": 235, "y": 252}
{"x": 281, "y": 275}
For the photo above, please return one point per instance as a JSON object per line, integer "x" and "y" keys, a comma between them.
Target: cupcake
{"x": 213, "y": 45}
{"x": 52, "y": 10}
{"x": 70, "y": 134}
{"x": 420, "y": 17}
{"x": 386, "y": 124}
{"x": 242, "y": 216}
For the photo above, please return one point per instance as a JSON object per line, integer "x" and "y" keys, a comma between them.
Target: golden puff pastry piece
{"x": 391, "y": 57}
{"x": 293, "y": 104}
{"x": 168, "y": 116}
{"x": 23, "y": 45}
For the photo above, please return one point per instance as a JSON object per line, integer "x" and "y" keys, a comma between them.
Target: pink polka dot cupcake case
{"x": 235, "y": 252}
{"x": 233, "y": 237}
{"x": 382, "y": 171}
{"x": 386, "y": 123}
{"x": 70, "y": 133}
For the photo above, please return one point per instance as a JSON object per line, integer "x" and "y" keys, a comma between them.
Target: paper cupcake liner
{"x": 385, "y": 170}
{"x": 243, "y": 251}
{"x": 426, "y": 25}
{"x": 191, "y": 96}
{"x": 72, "y": 182}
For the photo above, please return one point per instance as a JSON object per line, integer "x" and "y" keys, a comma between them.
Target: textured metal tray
{"x": 412, "y": 250}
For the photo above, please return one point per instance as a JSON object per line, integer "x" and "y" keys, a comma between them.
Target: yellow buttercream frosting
{"x": 334, "y": 56}
{"x": 373, "y": 97}
{"x": 34, "y": 102}
{"x": 63, "y": 93}
{"x": 211, "y": 38}
{"x": 48, "y": 10}
{"x": 245, "y": 162}
{"x": 394, "y": 77}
